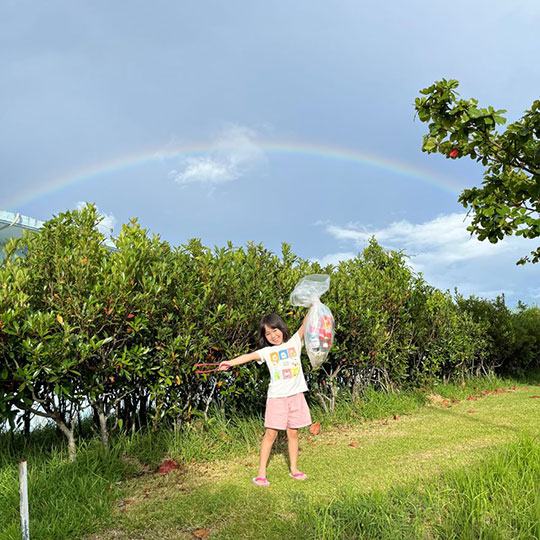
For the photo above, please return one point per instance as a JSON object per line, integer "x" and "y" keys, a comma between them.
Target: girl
{"x": 286, "y": 407}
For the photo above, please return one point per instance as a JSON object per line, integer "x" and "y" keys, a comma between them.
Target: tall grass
{"x": 499, "y": 499}
{"x": 66, "y": 499}
{"x": 69, "y": 500}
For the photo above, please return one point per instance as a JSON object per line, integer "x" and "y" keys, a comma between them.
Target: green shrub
{"x": 122, "y": 329}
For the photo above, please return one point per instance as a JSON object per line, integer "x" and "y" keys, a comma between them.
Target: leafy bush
{"x": 120, "y": 329}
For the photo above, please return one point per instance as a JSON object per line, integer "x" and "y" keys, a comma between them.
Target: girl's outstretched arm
{"x": 301, "y": 329}
{"x": 242, "y": 359}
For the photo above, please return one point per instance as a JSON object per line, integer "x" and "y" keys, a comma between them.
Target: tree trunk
{"x": 127, "y": 413}
{"x": 95, "y": 416}
{"x": 49, "y": 410}
{"x": 143, "y": 418}
{"x": 27, "y": 418}
{"x": 103, "y": 430}
{"x": 323, "y": 400}
{"x": 70, "y": 435}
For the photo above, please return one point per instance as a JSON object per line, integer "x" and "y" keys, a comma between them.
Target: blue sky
{"x": 264, "y": 121}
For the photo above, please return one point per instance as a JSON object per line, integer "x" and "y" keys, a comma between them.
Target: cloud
{"x": 335, "y": 258}
{"x": 448, "y": 256}
{"x": 204, "y": 170}
{"x": 107, "y": 223}
{"x": 443, "y": 240}
{"x": 534, "y": 292}
{"x": 233, "y": 155}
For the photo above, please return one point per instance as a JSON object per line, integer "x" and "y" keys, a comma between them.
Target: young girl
{"x": 286, "y": 407}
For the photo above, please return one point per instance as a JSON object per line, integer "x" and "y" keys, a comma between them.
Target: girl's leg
{"x": 266, "y": 446}
{"x": 292, "y": 438}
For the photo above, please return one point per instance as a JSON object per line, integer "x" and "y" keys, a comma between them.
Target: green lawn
{"x": 405, "y": 453}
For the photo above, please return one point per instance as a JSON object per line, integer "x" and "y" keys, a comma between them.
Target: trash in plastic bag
{"x": 319, "y": 334}
{"x": 319, "y": 328}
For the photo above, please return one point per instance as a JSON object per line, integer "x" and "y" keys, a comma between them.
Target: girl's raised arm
{"x": 301, "y": 329}
{"x": 242, "y": 359}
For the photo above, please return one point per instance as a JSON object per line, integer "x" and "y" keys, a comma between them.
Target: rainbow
{"x": 295, "y": 149}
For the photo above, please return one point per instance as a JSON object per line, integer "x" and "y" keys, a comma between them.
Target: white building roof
{"x": 12, "y": 225}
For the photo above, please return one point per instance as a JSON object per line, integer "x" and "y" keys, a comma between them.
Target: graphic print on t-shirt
{"x": 285, "y": 363}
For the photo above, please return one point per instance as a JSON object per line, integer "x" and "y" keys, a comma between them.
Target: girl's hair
{"x": 273, "y": 321}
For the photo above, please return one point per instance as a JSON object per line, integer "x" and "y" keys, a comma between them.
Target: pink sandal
{"x": 263, "y": 482}
{"x": 298, "y": 476}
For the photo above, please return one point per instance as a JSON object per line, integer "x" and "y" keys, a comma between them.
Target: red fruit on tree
{"x": 454, "y": 152}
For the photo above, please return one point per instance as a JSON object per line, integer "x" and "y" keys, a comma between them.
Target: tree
{"x": 14, "y": 310}
{"x": 509, "y": 200}
{"x": 49, "y": 278}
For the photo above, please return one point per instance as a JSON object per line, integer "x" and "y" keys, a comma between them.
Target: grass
{"x": 496, "y": 499}
{"x": 66, "y": 499}
{"x": 399, "y": 476}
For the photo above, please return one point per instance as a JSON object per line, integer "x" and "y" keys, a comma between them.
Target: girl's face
{"x": 274, "y": 336}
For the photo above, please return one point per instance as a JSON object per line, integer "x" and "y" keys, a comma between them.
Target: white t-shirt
{"x": 283, "y": 361}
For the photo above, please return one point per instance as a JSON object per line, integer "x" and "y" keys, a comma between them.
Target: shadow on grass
{"x": 531, "y": 377}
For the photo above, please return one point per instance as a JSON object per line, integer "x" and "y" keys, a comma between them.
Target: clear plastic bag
{"x": 309, "y": 289}
{"x": 319, "y": 328}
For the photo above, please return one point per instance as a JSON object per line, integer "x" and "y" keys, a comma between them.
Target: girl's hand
{"x": 223, "y": 366}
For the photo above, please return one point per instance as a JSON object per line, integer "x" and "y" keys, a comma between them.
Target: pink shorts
{"x": 287, "y": 412}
